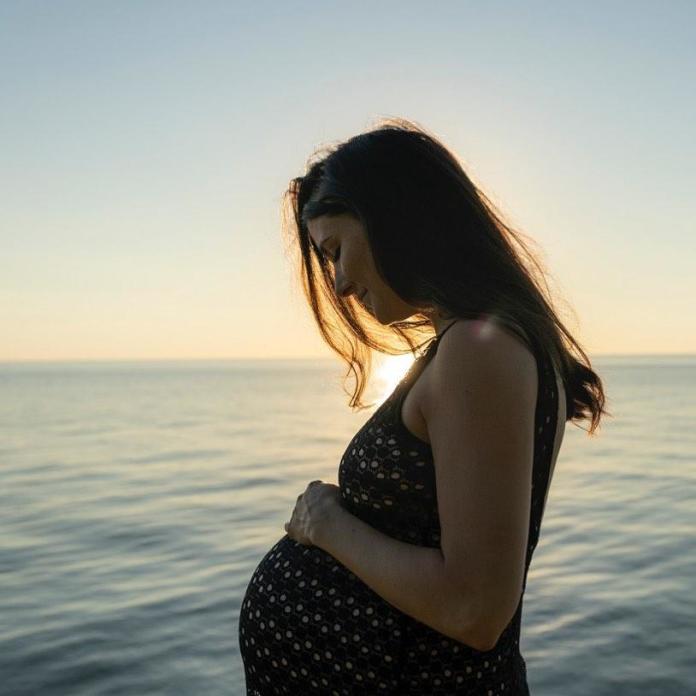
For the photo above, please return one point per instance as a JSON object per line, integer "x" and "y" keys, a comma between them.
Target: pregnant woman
{"x": 408, "y": 577}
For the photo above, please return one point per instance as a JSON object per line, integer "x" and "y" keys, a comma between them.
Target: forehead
{"x": 325, "y": 226}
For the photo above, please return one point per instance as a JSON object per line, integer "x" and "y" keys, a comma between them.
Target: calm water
{"x": 136, "y": 500}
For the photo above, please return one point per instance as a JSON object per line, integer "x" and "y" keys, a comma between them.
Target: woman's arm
{"x": 411, "y": 578}
{"x": 480, "y": 410}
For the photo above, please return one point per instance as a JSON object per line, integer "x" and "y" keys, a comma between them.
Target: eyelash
{"x": 336, "y": 256}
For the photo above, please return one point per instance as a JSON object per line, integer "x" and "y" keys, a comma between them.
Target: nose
{"x": 342, "y": 287}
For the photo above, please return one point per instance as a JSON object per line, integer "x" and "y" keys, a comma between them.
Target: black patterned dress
{"x": 307, "y": 625}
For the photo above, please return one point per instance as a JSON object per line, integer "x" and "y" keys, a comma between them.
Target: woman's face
{"x": 344, "y": 241}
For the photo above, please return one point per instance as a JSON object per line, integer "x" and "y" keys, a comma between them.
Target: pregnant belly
{"x": 305, "y": 616}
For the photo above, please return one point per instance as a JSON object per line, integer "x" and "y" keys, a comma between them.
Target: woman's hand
{"x": 314, "y": 512}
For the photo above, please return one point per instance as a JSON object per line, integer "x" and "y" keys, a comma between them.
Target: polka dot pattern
{"x": 308, "y": 625}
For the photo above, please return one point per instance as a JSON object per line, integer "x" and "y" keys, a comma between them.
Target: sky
{"x": 145, "y": 149}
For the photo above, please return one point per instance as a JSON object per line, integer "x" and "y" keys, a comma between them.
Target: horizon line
{"x": 24, "y": 361}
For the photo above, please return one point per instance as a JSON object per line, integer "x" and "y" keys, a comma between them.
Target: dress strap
{"x": 445, "y": 330}
{"x": 436, "y": 340}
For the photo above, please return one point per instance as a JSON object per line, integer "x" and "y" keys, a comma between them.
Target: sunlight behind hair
{"x": 390, "y": 372}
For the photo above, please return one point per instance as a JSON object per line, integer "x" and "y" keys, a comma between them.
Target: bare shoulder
{"x": 480, "y": 417}
{"x": 477, "y": 355}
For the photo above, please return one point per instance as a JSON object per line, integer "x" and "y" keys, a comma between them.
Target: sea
{"x": 137, "y": 498}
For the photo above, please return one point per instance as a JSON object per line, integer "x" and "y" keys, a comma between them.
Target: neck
{"x": 439, "y": 322}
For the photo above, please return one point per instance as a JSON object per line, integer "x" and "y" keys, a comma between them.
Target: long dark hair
{"x": 438, "y": 242}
